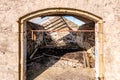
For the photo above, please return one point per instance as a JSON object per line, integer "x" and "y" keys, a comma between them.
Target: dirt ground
{"x": 67, "y": 67}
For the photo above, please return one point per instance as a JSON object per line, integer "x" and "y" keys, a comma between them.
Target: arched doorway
{"x": 82, "y": 15}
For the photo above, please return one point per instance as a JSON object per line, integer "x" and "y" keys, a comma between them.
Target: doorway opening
{"x": 59, "y": 46}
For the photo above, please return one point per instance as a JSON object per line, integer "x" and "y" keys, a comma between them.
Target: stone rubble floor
{"x": 50, "y": 68}
{"x": 58, "y": 73}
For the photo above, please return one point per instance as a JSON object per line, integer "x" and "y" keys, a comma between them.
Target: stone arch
{"x": 54, "y": 11}
{"x": 63, "y": 11}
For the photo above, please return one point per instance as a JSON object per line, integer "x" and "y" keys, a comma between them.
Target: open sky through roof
{"x": 38, "y": 20}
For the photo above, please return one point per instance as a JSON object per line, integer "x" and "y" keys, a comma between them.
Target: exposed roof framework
{"x": 58, "y": 22}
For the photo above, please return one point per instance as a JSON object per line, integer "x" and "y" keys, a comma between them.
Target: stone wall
{"x": 12, "y": 10}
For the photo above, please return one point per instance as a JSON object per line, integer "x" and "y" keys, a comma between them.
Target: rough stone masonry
{"x": 12, "y": 10}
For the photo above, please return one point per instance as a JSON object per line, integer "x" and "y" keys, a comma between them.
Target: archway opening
{"x": 60, "y": 42}
{"x": 57, "y": 43}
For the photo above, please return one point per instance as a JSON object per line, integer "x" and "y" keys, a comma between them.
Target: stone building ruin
{"x": 57, "y": 48}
